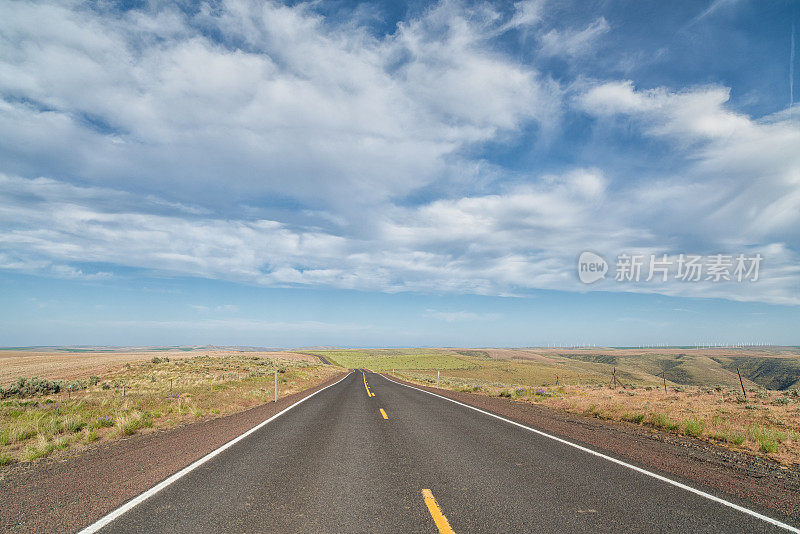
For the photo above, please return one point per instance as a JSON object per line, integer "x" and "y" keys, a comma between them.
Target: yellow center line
{"x": 369, "y": 392}
{"x": 438, "y": 517}
{"x": 384, "y": 414}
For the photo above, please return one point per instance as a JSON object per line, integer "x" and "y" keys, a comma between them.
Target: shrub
{"x": 766, "y": 439}
{"x": 693, "y": 426}
{"x": 106, "y": 385}
{"x": 40, "y": 450}
{"x": 632, "y": 417}
{"x": 729, "y": 437}
{"x": 20, "y": 433}
{"x": 94, "y": 380}
{"x": 592, "y": 410}
{"x": 146, "y": 420}
{"x": 128, "y": 425}
{"x": 781, "y": 401}
{"x": 50, "y": 426}
{"x": 505, "y": 393}
{"x": 104, "y": 421}
{"x": 91, "y": 435}
{"x": 768, "y": 445}
{"x": 73, "y": 424}
{"x": 5, "y": 459}
{"x": 156, "y": 359}
{"x": 29, "y": 387}
{"x": 662, "y": 420}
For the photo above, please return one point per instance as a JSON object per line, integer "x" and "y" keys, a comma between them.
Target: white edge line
{"x": 105, "y": 520}
{"x": 616, "y": 461}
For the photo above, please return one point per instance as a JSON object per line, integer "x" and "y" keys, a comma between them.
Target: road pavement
{"x": 371, "y": 455}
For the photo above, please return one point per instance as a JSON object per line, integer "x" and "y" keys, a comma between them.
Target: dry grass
{"x": 73, "y": 365}
{"x": 156, "y": 395}
{"x": 767, "y": 423}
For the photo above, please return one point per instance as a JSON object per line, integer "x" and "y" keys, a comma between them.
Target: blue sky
{"x": 394, "y": 174}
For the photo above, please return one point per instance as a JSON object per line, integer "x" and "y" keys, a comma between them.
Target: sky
{"x": 347, "y": 173}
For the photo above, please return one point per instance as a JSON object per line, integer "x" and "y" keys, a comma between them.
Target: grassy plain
{"x": 159, "y": 392}
{"x": 388, "y": 359}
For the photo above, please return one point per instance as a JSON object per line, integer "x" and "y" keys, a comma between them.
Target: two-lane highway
{"x": 370, "y": 455}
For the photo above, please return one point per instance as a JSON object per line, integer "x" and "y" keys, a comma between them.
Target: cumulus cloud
{"x": 285, "y": 103}
{"x": 267, "y": 144}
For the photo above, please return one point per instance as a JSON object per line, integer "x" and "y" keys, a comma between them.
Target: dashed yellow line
{"x": 438, "y": 517}
{"x": 384, "y": 414}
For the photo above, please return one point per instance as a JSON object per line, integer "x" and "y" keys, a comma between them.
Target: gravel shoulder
{"x": 766, "y": 484}
{"x": 64, "y": 496}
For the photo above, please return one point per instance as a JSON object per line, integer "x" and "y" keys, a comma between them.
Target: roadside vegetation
{"x": 40, "y": 418}
{"x": 765, "y": 422}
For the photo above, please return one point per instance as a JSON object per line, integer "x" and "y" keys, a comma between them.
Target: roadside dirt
{"x": 64, "y": 496}
{"x": 759, "y": 481}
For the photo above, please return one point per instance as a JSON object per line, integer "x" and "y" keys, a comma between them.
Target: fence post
{"x": 664, "y": 377}
{"x": 742, "y": 384}
{"x": 276, "y": 385}
{"x": 437, "y": 379}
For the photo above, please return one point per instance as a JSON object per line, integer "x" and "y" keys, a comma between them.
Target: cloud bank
{"x": 274, "y": 145}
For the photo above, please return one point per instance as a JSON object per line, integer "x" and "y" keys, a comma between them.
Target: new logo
{"x": 591, "y": 267}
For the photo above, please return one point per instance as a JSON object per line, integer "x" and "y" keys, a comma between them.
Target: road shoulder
{"x": 66, "y": 495}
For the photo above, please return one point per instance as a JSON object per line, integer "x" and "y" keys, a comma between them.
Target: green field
{"x": 387, "y": 359}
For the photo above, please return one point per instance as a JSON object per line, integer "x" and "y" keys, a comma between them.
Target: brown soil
{"x": 760, "y": 481}
{"x": 63, "y": 496}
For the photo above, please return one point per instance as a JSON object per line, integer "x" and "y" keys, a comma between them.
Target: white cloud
{"x": 288, "y": 104}
{"x": 528, "y": 237}
{"x": 742, "y": 183}
{"x": 573, "y": 43}
{"x": 287, "y": 152}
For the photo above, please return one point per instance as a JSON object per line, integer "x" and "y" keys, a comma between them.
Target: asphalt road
{"x": 335, "y": 463}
